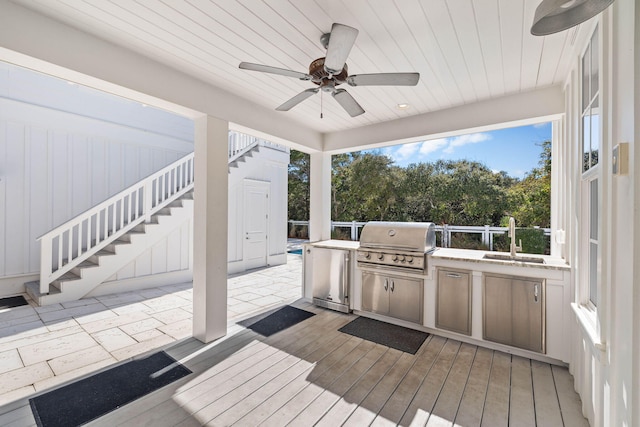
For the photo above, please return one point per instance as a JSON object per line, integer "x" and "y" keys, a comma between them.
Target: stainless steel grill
{"x": 399, "y": 246}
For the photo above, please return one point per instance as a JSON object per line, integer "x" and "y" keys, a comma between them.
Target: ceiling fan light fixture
{"x": 553, "y": 16}
{"x": 402, "y": 106}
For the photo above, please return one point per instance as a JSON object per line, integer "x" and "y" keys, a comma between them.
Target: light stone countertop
{"x": 469, "y": 255}
{"x": 336, "y": 244}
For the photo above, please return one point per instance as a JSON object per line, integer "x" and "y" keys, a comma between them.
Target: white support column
{"x": 210, "y": 219}
{"x": 320, "y": 197}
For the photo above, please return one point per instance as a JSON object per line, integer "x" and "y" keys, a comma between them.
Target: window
{"x": 593, "y": 242}
{"x": 590, "y": 105}
{"x": 590, "y": 138}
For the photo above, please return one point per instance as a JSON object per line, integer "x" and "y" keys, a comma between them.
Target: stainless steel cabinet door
{"x": 330, "y": 270}
{"x": 527, "y": 320}
{"x": 497, "y": 309}
{"x": 375, "y": 293}
{"x": 405, "y": 298}
{"x": 514, "y": 312}
{"x": 453, "y": 309}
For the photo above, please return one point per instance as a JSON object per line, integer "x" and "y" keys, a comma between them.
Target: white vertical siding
{"x": 55, "y": 165}
{"x": 267, "y": 165}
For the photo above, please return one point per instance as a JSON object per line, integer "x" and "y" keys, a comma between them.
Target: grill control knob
{"x": 380, "y": 257}
{"x": 402, "y": 258}
{"x": 410, "y": 259}
{"x": 395, "y": 258}
{"x": 367, "y": 255}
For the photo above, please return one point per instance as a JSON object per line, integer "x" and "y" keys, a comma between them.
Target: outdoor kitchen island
{"x": 517, "y": 307}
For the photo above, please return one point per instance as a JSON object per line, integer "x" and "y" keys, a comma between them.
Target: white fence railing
{"x": 71, "y": 243}
{"x": 487, "y": 232}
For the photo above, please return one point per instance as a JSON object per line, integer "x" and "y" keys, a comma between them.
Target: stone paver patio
{"x": 42, "y": 347}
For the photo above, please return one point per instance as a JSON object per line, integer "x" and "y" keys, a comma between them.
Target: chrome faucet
{"x": 512, "y": 235}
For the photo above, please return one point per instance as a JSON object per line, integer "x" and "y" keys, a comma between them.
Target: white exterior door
{"x": 256, "y": 223}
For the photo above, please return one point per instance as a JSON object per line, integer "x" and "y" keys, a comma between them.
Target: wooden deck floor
{"x": 311, "y": 374}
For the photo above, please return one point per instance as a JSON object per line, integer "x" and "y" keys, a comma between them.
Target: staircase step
{"x": 95, "y": 258}
{"x": 77, "y": 270}
{"x": 33, "y": 290}
{"x": 111, "y": 247}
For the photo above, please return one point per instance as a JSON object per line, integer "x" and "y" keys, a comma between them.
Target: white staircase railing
{"x": 73, "y": 242}
{"x": 66, "y": 246}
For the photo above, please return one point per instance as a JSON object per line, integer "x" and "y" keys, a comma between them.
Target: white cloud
{"x": 428, "y": 147}
{"x": 401, "y": 152}
{"x": 407, "y": 150}
{"x": 461, "y": 140}
{"x": 540, "y": 125}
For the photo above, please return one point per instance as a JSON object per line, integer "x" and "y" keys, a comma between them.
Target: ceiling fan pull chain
{"x": 321, "y": 104}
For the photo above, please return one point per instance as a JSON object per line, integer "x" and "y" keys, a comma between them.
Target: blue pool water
{"x": 296, "y": 252}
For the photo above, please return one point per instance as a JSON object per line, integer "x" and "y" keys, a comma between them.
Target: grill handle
{"x": 386, "y": 284}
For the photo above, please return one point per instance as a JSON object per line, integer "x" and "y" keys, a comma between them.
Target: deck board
{"x": 446, "y": 407}
{"x": 472, "y": 403}
{"x": 496, "y": 405}
{"x": 312, "y": 374}
{"x": 544, "y": 395}
{"x": 397, "y": 404}
{"x": 570, "y": 403}
{"x": 366, "y": 412}
{"x": 337, "y": 363}
{"x": 425, "y": 399}
{"x": 521, "y": 409}
{"x": 329, "y": 397}
{"x": 343, "y": 408}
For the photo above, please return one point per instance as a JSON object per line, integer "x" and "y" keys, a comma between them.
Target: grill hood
{"x": 403, "y": 236}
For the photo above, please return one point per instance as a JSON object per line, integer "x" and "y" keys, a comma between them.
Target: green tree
{"x": 530, "y": 199}
{"x": 298, "y": 196}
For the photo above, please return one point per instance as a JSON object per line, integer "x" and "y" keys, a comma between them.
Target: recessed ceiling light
{"x": 403, "y": 106}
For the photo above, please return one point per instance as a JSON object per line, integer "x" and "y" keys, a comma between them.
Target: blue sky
{"x": 514, "y": 150}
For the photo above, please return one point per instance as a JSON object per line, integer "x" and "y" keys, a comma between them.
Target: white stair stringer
{"x": 91, "y": 273}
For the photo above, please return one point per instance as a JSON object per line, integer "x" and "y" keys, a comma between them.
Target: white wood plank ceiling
{"x": 464, "y": 50}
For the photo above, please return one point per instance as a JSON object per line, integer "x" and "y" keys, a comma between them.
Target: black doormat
{"x": 85, "y": 400}
{"x": 279, "y": 320}
{"x": 394, "y": 336}
{"x": 10, "y": 302}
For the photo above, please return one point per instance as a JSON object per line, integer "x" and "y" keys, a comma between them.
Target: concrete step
{"x": 95, "y": 258}
{"x": 77, "y": 270}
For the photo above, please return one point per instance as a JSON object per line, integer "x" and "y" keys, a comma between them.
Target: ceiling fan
{"x": 331, "y": 71}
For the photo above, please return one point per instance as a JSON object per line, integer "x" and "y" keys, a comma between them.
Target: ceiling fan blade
{"x": 297, "y": 99}
{"x": 347, "y": 102}
{"x": 274, "y": 70}
{"x": 341, "y": 41}
{"x": 384, "y": 79}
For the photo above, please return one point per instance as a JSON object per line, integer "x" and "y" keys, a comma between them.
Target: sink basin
{"x": 519, "y": 258}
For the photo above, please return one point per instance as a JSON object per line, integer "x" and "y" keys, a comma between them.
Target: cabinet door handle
{"x": 535, "y": 293}
{"x": 454, "y": 275}
{"x": 393, "y": 285}
{"x": 386, "y": 284}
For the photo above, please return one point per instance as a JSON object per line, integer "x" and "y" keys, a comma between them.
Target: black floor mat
{"x": 394, "y": 336}
{"x": 279, "y": 320}
{"x": 85, "y": 400}
{"x": 10, "y": 302}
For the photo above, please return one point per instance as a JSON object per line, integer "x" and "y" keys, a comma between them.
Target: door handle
{"x": 393, "y": 285}
{"x": 386, "y": 284}
{"x": 453, "y": 275}
{"x": 535, "y": 293}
